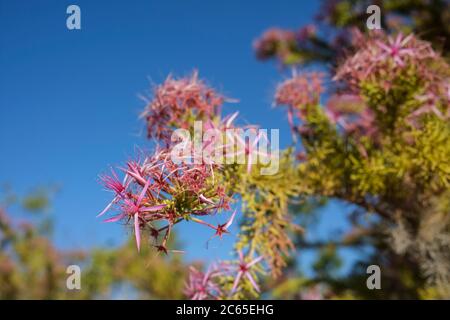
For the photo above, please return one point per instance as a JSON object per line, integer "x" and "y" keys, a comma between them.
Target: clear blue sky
{"x": 69, "y": 99}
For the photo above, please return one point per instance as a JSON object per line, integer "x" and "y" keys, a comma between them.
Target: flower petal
{"x": 116, "y": 218}
{"x": 144, "y": 190}
{"x": 230, "y": 221}
{"x": 236, "y": 282}
{"x": 252, "y": 281}
{"x": 137, "y": 231}
{"x": 205, "y": 199}
{"x": 254, "y": 261}
{"x": 153, "y": 208}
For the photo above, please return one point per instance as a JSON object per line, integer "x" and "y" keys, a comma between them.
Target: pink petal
{"x": 398, "y": 40}
{"x": 228, "y": 224}
{"x": 236, "y": 282}
{"x": 116, "y": 218}
{"x": 255, "y": 143}
{"x": 249, "y": 163}
{"x": 137, "y": 231}
{"x": 230, "y": 119}
{"x": 383, "y": 46}
{"x": 205, "y": 199}
{"x": 254, "y": 261}
{"x": 241, "y": 256}
{"x": 106, "y": 208}
{"x": 399, "y": 61}
{"x": 144, "y": 190}
{"x": 252, "y": 281}
{"x": 136, "y": 176}
{"x": 171, "y": 173}
{"x": 437, "y": 112}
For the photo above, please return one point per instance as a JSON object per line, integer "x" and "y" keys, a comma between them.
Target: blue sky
{"x": 69, "y": 99}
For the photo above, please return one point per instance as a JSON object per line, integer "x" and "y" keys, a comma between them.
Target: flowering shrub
{"x": 201, "y": 285}
{"x": 179, "y": 102}
{"x": 158, "y": 190}
{"x": 380, "y": 142}
{"x": 163, "y": 189}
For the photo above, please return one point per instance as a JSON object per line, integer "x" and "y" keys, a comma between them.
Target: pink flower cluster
{"x": 203, "y": 286}
{"x": 159, "y": 190}
{"x": 281, "y": 43}
{"x": 177, "y": 103}
{"x": 173, "y": 185}
{"x": 382, "y": 57}
{"x": 347, "y": 110}
{"x": 243, "y": 269}
{"x": 298, "y": 92}
{"x": 274, "y": 42}
{"x": 225, "y": 143}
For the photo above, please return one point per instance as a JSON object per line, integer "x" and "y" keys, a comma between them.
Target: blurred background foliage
{"x": 31, "y": 267}
{"x": 404, "y": 230}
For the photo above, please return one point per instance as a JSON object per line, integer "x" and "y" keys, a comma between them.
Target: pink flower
{"x": 201, "y": 285}
{"x": 374, "y": 56}
{"x": 196, "y": 177}
{"x": 243, "y": 270}
{"x": 205, "y": 199}
{"x": 285, "y": 44}
{"x": 220, "y": 228}
{"x": 297, "y": 94}
{"x": 162, "y": 248}
{"x": 161, "y": 191}
{"x": 250, "y": 150}
{"x": 313, "y": 293}
{"x": 274, "y": 42}
{"x": 112, "y": 183}
{"x": 134, "y": 208}
{"x": 135, "y": 172}
{"x": 396, "y": 49}
{"x": 300, "y": 90}
{"x": 223, "y": 228}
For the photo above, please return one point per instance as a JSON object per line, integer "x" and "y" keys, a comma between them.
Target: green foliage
{"x": 397, "y": 179}
{"x": 31, "y": 267}
{"x": 266, "y": 225}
